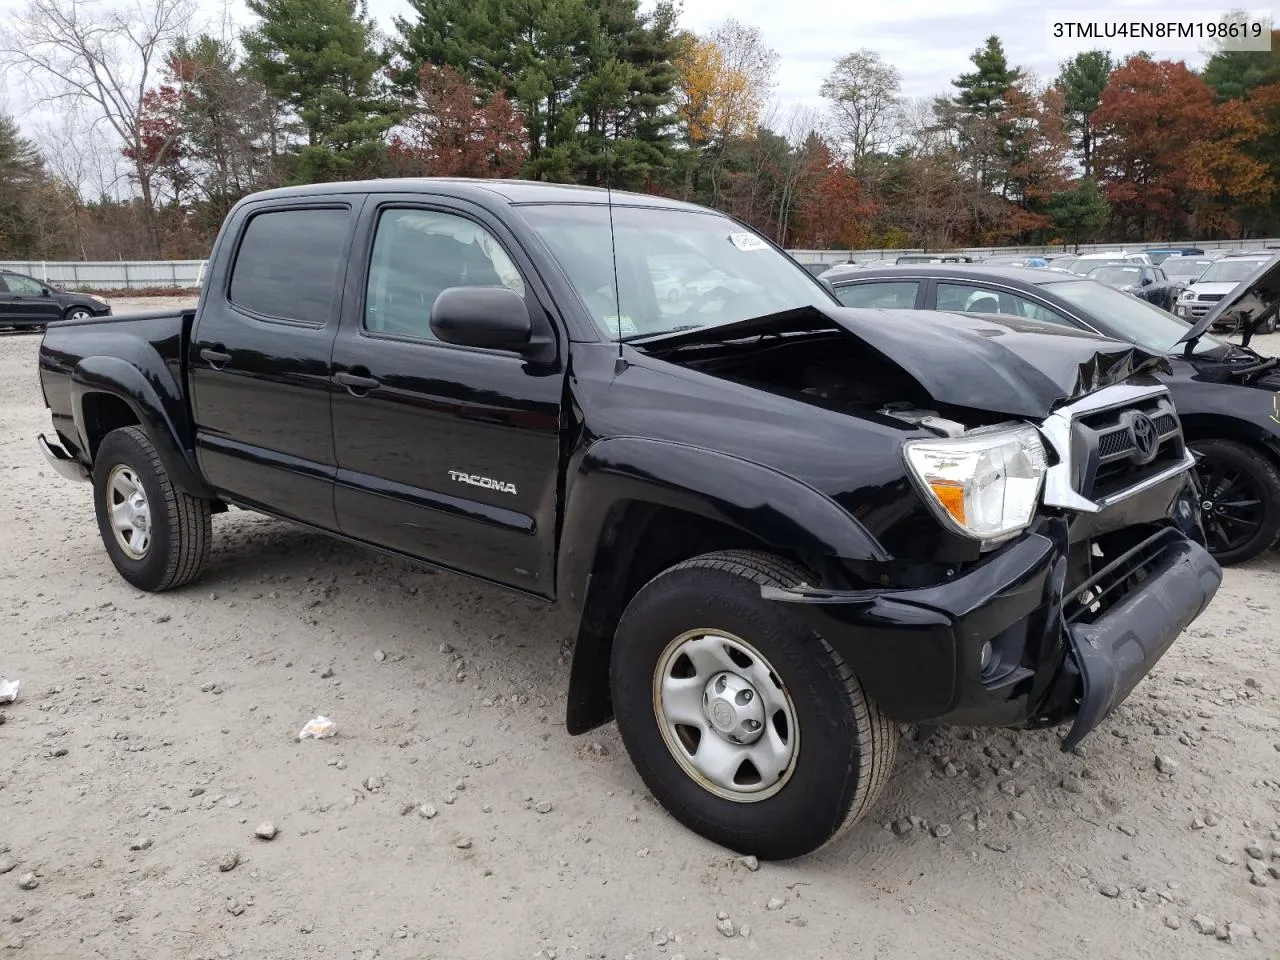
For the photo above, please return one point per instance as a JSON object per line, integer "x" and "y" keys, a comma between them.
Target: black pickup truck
{"x": 785, "y": 525}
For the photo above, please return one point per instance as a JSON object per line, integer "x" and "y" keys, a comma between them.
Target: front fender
{"x": 772, "y": 507}
{"x": 154, "y": 399}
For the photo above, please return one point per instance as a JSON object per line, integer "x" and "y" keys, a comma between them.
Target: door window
{"x": 967, "y": 298}
{"x": 417, "y": 254}
{"x": 895, "y": 294}
{"x": 23, "y": 286}
{"x": 288, "y": 264}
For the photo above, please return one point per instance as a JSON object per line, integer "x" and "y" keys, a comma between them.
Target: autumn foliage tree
{"x": 1169, "y": 156}
{"x": 452, "y": 131}
{"x": 833, "y": 211}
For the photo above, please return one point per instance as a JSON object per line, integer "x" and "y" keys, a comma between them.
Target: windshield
{"x": 1128, "y": 318}
{"x": 1231, "y": 271}
{"x": 676, "y": 269}
{"x": 1185, "y": 266}
{"x": 1117, "y": 276}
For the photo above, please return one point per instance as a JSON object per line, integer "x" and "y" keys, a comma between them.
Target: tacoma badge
{"x": 500, "y": 485}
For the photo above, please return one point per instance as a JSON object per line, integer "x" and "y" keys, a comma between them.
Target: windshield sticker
{"x": 747, "y": 241}
{"x": 626, "y": 326}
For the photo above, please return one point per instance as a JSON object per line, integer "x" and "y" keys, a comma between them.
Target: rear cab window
{"x": 288, "y": 264}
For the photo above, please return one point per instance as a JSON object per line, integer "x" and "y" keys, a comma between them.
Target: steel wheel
{"x": 725, "y": 716}
{"x": 130, "y": 511}
{"x": 1232, "y": 508}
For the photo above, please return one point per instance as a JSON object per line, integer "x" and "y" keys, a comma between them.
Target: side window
{"x": 416, "y": 255}
{"x": 889, "y": 294}
{"x": 288, "y": 264}
{"x": 965, "y": 298}
{"x": 24, "y": 286}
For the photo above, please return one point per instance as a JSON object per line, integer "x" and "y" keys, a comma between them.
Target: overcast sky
{"x": 929, "y": 41}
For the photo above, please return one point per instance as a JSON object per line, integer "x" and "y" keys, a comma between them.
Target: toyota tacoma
{"x": 784, "y": 526}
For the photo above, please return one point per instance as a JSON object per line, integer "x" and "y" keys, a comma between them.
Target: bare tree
{"x": 77, "y": 51}
{"x": 865, "y": 97}
{"x": 747, "y": 75}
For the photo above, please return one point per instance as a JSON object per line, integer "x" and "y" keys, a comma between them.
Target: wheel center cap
{"x": 733, "y": 707}
{"x": 1207, "y": 505}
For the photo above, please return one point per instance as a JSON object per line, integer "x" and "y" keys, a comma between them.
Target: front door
{"x": 259, "y": 358}
{"x": 446, "y": 453}
{"x": 27, "y": 301}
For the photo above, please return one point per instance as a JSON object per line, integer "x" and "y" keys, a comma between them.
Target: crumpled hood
{"x": 999, "y": 364}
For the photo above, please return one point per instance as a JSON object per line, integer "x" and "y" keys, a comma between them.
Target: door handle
{"x": 215, "y": 356}
{"x": 357, "y": 385}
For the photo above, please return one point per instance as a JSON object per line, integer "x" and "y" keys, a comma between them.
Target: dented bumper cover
{"x": 919, "y": 653}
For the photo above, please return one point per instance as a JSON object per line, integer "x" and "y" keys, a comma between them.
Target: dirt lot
{"x": 153, "y": 735}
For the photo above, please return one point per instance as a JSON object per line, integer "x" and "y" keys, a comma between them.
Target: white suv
{"x": 1221, "y": 277}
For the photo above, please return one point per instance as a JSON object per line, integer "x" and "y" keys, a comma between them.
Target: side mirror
{"x": 1147, "y": 281}
{"x": 46, "y": 292}
{"x": 490, "y": 317}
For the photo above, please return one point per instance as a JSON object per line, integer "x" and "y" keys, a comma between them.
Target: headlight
{"x": 984, "y": 485}
{"x": 98, "y": 300}
{"x": 1187, "y": 296}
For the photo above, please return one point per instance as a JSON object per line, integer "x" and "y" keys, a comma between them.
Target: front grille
{"x": 1210, "y": 297}
{"x": 1097, "y": 443}
{"x": 1106, "y": 451}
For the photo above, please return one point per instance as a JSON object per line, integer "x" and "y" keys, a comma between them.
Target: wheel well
{"x": 1213, "y": 428}
{"x": 639, "y": 541}
{"x": 104, "y": 412}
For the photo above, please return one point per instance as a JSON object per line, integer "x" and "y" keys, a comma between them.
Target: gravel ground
{"x": 152, "y": 748}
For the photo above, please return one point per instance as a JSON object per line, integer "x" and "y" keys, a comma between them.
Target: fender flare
{"x": 770, "y": 506}
{"x": 160, "y": 418}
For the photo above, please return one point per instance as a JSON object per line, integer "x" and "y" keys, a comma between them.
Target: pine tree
{"x": 1082, "y": 80}
{"x": 318, "y": 58}
{"x": 593, "y": 79}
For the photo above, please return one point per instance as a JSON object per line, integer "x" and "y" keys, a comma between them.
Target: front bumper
{"x": 61, "y": 461}
{"x": 919, "y": 653}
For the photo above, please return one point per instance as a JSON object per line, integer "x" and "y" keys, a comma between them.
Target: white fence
{"x": 843, "y": 256}
{"x": 111, "y": 274}
{"x": 152, "y": 274}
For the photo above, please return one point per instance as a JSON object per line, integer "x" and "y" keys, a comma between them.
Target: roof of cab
{"x": 510, "y": 191}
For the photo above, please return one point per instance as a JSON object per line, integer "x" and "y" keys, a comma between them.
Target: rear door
{"x": 894, "y": 294}
{"x": 444, "y": 452}
{"x": 260, "y": 357}
{"x": 27, "y": 301}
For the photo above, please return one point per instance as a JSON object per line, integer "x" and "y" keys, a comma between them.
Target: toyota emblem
{"x": 1146, "y": 439}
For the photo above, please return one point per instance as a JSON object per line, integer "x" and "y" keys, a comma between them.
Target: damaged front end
{"x": 1060, "y": 623}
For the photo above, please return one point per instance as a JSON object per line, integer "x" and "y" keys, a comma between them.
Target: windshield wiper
{"x": 683, "y": 328}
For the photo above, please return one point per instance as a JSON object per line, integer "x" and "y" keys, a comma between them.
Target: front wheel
{"x": 77, "y": 313}
{"x": 744, "y": 724}
{"x": 1239, "y": 499}
{"x": 156, "y": 535}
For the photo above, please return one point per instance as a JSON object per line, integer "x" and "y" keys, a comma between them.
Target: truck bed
{"x": 153, "y": 342}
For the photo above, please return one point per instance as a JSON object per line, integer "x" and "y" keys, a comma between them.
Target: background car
{"x": 28, "y": 302}
{"x": 935, "y": 258}
{"x": 1087, "y": 261}
{"x": 1160, "y": 254}
{"x": 1186, "y": 269}
{"x": 1219, "y": 279}
{"x": 1224, "y": 393}
{"x": 1148, "y": 283}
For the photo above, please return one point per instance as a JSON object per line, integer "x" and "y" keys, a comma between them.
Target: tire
{"x": 177, "y": 526}
{"x": 77, "y": 313}
{"x": 844, "y": 745}
{"x": 1231, "y": 474}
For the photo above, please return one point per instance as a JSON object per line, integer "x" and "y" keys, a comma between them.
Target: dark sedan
{"x": 1147, "y": 283}
{"x": 1225, "y": 394}
{"x": 28, "y": 302}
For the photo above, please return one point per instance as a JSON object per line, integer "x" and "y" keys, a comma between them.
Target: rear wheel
{"x": 746, "y": 726}
{"x": 156, "y": 535}
{"x": 1239, "y": 499}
